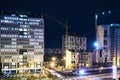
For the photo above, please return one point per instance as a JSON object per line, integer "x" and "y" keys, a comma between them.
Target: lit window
{"x": 34, "y": 43}
{"x": 13, "y": 63}
{"x": 38, "y": 62}
{"x": 38, "y": 66}
{"x": 32, "y": 39}
{"x": 25, "y": 29}
{"x": 40, "y": 50}
{"x": 20, "y": 56}
{"x": 25, "y": 33}
{"x": 37, "y": 46}
{"x": 20, "y": 63}
{"x": 5, "y": 67}
{"x": 13, "y": 39}
{"x": 25, "y": 53}
{"x": 20, "y": 29}
{"x": 11, "y": 18}
{"x": 13, "y": 43}
{"x": 20, "y": 36}
{"x": 25, "y": 36}
{"x": 29, "y": 36}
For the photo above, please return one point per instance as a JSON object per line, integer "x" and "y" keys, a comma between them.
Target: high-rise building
{"x": 21, "y": 42}
{"x": 108, "y": 40}
{"x": 74, "y": 45}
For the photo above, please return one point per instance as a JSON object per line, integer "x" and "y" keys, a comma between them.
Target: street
{"x": 107, "y": 76}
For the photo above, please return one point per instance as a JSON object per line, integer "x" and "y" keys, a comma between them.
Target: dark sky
{"x": 80, "y": 15}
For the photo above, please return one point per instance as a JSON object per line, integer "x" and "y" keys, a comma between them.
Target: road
{"x": 98, "y": 76}
{"x": 107, "y": 76}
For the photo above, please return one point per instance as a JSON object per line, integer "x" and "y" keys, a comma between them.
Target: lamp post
{"x": 53, "y": 58}
{"x": 114, "y": 72}
{"x": 52, "y": 64}
{"x": 101, "y": 68}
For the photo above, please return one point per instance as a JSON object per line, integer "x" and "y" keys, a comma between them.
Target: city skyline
{"x": 80, "y": 15}
{"x": 32, "y": 46}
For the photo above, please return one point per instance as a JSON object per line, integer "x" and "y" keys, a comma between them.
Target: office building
{"x": 21, "y": 42}
{"x": 108, "y": 40}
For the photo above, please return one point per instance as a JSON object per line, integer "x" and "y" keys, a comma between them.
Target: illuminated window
{"x": 38, "y": 66}
{"x": 38, "y": 46}
{"x": 38, "y": 62}
{"x": 20, "y": 36}
{"x": 11, "y": 18}
{"x": 25, "y": 33}
{"x": 25, "y": 29}
{"x": 20, "y": 56}
{"x": 6, "y": 21}
{"x": 32, "y": 39}
{"x": 34, "y": 43}
{"x": 25, "y": 36}
{"x": 24, "y": 52}
{"x": 13, "y": 39}
{"x": 13, "y": 42}
{"x": 13, "y": 63}
{"x": 40, "y": 50}
{"x": 5, "y": 67}
{"x": 8, "y": 50}
{"x": 20, "y": 63}
{"x": 20, "y": 29}
{"x": 29, "y": 36}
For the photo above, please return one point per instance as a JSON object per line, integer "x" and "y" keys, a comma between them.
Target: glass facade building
{"x": 21, "y": 43}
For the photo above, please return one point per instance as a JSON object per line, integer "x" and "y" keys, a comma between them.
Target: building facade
{"x": 86, "y": 59}
{"x": 21, "y": 42}
{"x": 108, "y": 39}
{"x": 72, "y": 59}
{"x": 74, "y": 43}
{"x": 74, "y": 46}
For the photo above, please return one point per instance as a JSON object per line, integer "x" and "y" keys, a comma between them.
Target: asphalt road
{"x": 108, "y": 76}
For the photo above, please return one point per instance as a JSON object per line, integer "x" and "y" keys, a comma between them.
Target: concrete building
{"x": 74, "y": 43}
{"x": 108, "y": 40}
{"x": 21, "y": 42}
{"x": 85, "y": 59}
{"x": 72, "y": 59}
{"x": 74, "y": 46}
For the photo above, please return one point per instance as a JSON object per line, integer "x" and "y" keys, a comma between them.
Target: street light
{"x": 53, "y": 58}
{"x": 52, "y": 64}
{"x": 101, "y": 68}
{"x": 114, "y": 72}
{"x": 97, "y": 45}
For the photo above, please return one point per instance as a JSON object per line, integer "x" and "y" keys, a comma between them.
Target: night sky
{"x": 79, "y": 13}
